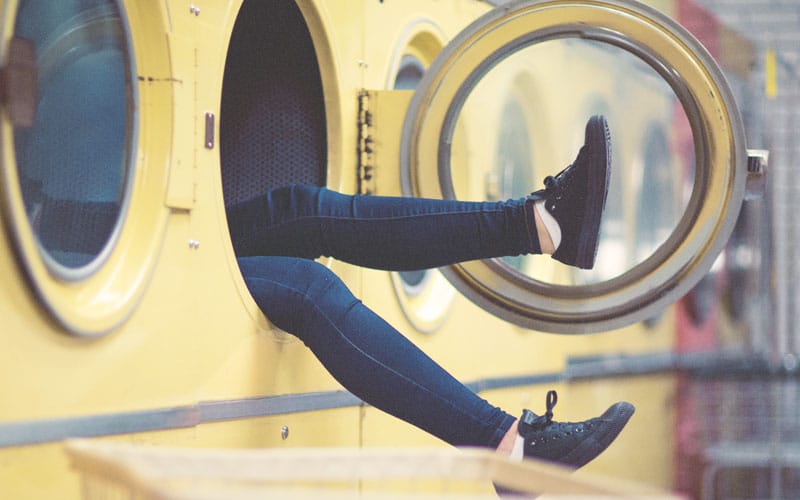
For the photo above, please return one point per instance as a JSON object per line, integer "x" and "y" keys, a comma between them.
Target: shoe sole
{"x": 617, "y": 417}
{"x": 598, "y": 140}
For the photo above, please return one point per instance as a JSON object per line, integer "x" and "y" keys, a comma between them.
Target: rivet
{"x": 194, "y": 9}
{"x": 194, "y": 244}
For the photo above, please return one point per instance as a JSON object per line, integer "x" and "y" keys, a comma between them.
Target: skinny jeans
{"x": 277, "y": 235}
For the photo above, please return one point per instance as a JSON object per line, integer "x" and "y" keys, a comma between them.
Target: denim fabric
{"x": 394, "y": 234}
{"x": 366, "y": 354}
{"x": 277, "y": 234}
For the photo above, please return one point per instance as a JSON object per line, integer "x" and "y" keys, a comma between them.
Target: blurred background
{"x": 745, "y": 416}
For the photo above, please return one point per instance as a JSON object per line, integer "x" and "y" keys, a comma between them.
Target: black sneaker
{"x": 576, "y": 197}
{"x": 568, "y": 443}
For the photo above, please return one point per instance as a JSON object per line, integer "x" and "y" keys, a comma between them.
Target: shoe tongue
{"x": 528, "y": 417}
{"x": 530, "y": 420}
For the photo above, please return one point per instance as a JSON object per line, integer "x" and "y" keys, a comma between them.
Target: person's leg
{"x": 391, "y": 233}
{"x": 367, "y": 355}
{"x": 383, "y": 368}
{"x": 396, "y": 233}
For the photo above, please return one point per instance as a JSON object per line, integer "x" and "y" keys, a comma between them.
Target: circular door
{"x": 568, "y": 60}
{"x": 71, "y": 171}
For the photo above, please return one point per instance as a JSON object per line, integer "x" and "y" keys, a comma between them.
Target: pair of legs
{"x": 276, "y": 237}
{"x": 361, "y": 350}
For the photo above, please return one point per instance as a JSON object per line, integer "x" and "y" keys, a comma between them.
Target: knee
{"x": 297, "y": 294}
{"x": 321, "y": 287}
{"x": 294, "y": 199}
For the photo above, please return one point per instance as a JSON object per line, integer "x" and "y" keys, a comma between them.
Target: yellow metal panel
{"x": 197, "y": 335}
{"x": 192, "y": 333}
{"x": 181, "y": 187}
{"x": 387, "y": 108}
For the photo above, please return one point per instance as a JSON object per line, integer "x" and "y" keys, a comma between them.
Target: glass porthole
{"x": 74, "y": 163}
{"x": 660, "y": 203}
{"x": 672, "y": 205}
{"x": 71, "y": 168}
{"x": 409, "y": 74}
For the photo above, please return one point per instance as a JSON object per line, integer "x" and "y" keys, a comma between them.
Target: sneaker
{"x": 568, "y": 443}
{"x": 576, "y": 197}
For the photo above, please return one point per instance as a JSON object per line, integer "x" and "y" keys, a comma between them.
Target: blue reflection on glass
{"x": 73, "y": 162}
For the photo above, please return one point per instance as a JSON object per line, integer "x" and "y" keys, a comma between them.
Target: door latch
{"x": 18, "y": 82}
{"x": 756, "y": 184}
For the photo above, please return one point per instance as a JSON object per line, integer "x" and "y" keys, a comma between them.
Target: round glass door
{"x": 74, "y": 161}
{"x": 70, "y": 168}
{"x": 505, "y": 105}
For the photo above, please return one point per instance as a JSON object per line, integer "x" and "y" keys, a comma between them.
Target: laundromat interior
{"x": 137, "y": 364}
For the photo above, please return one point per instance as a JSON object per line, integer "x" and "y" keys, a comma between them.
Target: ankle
{"x": 545, "y": 241}
{"x": 506, "y": 446}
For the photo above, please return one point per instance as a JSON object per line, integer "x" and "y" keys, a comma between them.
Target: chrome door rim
{"x": 719, "y": 175}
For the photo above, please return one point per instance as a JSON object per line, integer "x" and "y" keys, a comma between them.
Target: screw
{"x": 194, "y": 244}
{"x": 284, "y": 432}
{"x": 194, "y": 9}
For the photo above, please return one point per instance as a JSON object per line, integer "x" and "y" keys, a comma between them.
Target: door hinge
{"x": 365, "y": 168}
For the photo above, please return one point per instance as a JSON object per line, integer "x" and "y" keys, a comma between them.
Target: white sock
{"x": 550, "y": 223}
{"x": 519, "y": 447}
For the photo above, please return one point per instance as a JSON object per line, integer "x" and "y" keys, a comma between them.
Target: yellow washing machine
{"x": 128, "y": 319}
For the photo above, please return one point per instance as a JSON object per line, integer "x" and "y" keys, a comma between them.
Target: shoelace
{"x": 540, "y": 422}
{"x": 554, "y": 186}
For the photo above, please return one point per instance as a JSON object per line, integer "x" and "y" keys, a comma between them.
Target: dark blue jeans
{"x": 276, "y": 236}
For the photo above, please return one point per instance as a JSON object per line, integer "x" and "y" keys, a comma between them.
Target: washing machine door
{"x": 504, "y": 105}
